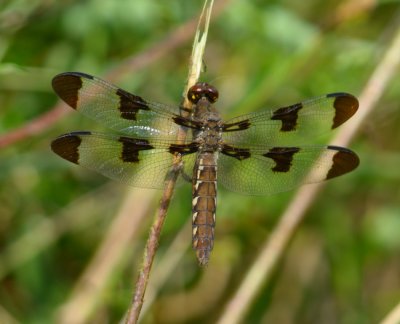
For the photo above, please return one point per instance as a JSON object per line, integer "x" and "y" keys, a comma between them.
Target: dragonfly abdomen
{"x": 204, "y": 205}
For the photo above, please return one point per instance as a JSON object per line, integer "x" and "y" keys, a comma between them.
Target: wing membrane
{"x": 259, "y": 151}
{"x": 115, "y": 108}
{"x": 291, "y": 125}
{"x": 276, "y": 169}
{"x": 136, "y": 162}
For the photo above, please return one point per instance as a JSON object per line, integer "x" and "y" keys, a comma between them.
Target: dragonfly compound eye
{"x": 200, "y": 90}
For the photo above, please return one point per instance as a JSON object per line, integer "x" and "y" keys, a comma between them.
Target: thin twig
{"x": 177, "y": 37}
{"x": 155, "y": 232}
{"x": 273, "y": 249}
{"x": 166, "y": 265}
{"x": 150, "y": 251}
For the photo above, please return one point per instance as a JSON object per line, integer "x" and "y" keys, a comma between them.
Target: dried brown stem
{"x": 273, "y": 249}
{"x": 155, "y": 232}
{"x": 393, "y": 317}
{"x": 166, "y": 265}
{"x": 150, "y": 251}
{"x": 177, "y": 37}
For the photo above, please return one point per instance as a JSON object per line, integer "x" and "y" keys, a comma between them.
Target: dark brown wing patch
{"x": 131, "y": 148}
{"x": 67, "y": 146}
{"x": 241, "y": 125}
{"x": 288, "y": 116}
{"x": 283, "y": 157}
{"x": 182, "y": 121}
{"x": 344, "y": 161}
{"x": 237, "y": 153}
{"x": 345, "y": 106}
{"x": 129, "y": 104}
{"x": 183, "y": 148}
{"x": 67, "y": 86}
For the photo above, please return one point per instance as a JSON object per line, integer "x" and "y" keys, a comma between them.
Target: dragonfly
{"x": 259, "y": 153}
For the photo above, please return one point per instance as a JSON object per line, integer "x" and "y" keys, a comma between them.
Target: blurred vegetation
{"x": 343, "y": 264}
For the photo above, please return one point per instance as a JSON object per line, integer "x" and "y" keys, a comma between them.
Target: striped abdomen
{"x": 204, "y": 205}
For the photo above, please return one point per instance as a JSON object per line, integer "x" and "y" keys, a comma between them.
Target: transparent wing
{"x": 115, "y": 108}
{"x": 271, "y": 170}
{"x": 291, "y": 125}
{"x": 136, "y": 162}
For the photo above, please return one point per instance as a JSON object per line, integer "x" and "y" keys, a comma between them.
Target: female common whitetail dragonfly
{"x": 256, "y": 154}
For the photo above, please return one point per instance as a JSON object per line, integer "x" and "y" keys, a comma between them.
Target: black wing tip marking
{"x": 345, "y": 105}
{"x": 74, "y": 74}
{"x": 344, "y": 161}
{"x": 67, "y": 85}
{"x": 67, "y": 146}
{"x": 70, "y": 78}
{"x": 341, "y": 94}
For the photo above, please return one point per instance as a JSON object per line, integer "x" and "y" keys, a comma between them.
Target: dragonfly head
{"x": 200, "y": 90}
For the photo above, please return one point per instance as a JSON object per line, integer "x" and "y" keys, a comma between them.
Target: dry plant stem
{"x": 177, "y": 37}
{"x": 273, "y": 249}
{"x": 6, "y": 317}
{"x": 151, "y": 248}
{"x": 165, "y": 266}
{"x": 382, "y": 77}
{"x": 155, "y": 232}
{"x": 88, "y": 298}
{"x": 393, "y": 317}
{"x": 261, "y": 270}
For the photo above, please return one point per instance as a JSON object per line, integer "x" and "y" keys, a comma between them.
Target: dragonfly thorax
{"x": 209, "y": 139}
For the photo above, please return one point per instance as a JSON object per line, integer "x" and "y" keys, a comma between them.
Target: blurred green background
{"x": 343, "y": 265}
